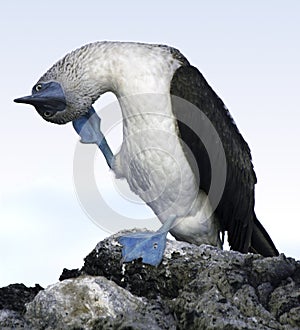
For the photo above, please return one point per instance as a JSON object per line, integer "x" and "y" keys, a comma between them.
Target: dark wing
{"x": 216, "y": 131}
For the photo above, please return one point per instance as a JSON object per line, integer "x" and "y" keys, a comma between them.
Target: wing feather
{"x": 235, "y": 210}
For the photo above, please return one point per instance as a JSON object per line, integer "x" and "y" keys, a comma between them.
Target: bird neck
{"x": 138, "y": 74}
{"x": 144, "y": 112}
{"x": 127, "y": 69}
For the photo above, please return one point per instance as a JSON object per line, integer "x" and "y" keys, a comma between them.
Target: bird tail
{"x": 261, "y": 242}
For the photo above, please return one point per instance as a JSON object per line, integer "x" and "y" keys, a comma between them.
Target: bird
{"x": 182, "y": 152}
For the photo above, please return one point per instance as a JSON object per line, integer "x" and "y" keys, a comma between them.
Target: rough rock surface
{"x": 78, "y": 303}
{"x": 15, "y": 296}
{"x": 12, "y": 304}
{"x": 195, "y": 287}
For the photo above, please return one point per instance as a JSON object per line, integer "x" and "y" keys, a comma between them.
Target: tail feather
{"x": 261, "y": 242}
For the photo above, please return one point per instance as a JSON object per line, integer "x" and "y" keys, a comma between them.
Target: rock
{"x": 15, "y": 296}
{"x": 12, "y": 305}
{"x": 91, "y": 302}
{"x": 195, "y": 287}
{"x": 12, "y": 320}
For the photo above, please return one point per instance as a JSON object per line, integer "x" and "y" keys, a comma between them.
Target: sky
{"x": 248, "y": 51}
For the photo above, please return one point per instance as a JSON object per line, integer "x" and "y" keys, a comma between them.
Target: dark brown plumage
{"x": 235, "y": 210}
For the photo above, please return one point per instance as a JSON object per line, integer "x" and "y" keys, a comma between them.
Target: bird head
{"x": 56, "y": 103}
{"x": 62, "y": 94}
{"x": 48, "y": 99}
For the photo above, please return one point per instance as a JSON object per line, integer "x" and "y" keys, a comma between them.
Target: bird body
{"x": 181, "y": 153}
{"x": 155, "y": 166}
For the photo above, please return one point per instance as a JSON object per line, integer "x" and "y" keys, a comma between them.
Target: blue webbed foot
{"x": 88, "y": 127}
{"x": 149, "y": 246}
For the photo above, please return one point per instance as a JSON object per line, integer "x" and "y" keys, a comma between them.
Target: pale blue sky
{"x": 248, "y": 51}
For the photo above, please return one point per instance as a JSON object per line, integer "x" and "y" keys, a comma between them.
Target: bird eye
{"x": 47, "y": 114}
{"x": 38, "y": 87}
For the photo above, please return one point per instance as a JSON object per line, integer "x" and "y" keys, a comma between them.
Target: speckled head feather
{"x": 70, "y": 73}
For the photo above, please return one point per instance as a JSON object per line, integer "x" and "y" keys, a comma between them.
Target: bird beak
{"x": 25, "y": 99}
{"x": 43, "y": 101}
{"x": 50, "y": 97}
{"x": 34, "y": 100}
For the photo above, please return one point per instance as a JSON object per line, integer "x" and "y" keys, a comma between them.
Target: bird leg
{"x": 88, "y": 127}
{"x": 149, "y": 246}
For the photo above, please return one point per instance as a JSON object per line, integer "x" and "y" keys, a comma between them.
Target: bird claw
{"x": 88, "y": 128}
{"x": 148, "y": 245}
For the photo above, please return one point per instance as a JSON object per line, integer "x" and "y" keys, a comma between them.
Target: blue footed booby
{"x": 182, "y": 152}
